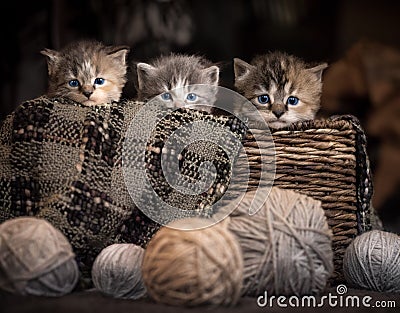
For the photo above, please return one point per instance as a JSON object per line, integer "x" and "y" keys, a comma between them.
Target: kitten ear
{"x": 318, "y": 70}
{"x": 241, "y": 68}
{"x": 52, "y": 57}
{"x": 119, "y": 53}
{"x": 144, "y": 71}
{"x": 211, "y": 75}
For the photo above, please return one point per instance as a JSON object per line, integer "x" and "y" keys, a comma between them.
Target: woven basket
{"x": 327, "y": 160}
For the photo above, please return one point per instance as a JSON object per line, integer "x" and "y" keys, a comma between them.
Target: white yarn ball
{"x": 116, "y": 271}
{"x": 36, "y": 258}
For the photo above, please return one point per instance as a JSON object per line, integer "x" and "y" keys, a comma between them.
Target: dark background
{"x": 317, "y": 31}
{"x": 219, "y": 29}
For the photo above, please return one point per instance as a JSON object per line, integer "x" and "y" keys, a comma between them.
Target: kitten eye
{"x": 99, "y": 81}
{"x": 292, "y": 100}
{"x": 191, "y": 97}
{"x": 74, "y": 83}
{"x": 263, "y": 99}
{"x": 166, "y": 96}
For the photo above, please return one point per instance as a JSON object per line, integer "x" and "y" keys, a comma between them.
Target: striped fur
{"x": 280, "y": 76}
{"x": 177, "y": 74}
{"x": 85, "y": 61}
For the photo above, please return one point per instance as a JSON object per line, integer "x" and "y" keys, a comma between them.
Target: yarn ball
{"x": 286, "y": 245}
{"x": 36, "y": 258}
{"x": 372, "y": 261}
{"x": 193, "y": 267}
{"x": 116, "y": 271}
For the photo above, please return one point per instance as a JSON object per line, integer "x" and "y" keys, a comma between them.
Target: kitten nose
{"x": 278, "y": 110}
{"x": 179, "y": 104}
{"x": 279, "y": 113}
{"x": 87, "y": 91}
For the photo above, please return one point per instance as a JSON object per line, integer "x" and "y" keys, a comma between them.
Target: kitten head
{"x": 283, "y": 88}
{"x": 87, "y": 72}
{"x": 172, "y": 78}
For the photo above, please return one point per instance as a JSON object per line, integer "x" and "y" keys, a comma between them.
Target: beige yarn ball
{"x": 36, "y": 258}
{"x": 372, "y": 261}
{"x": 116, "y": 271}
{"x": 195, "y": 267}
{"x": 286, "y": 245}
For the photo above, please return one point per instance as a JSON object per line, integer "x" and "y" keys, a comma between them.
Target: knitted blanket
{"x": 66, "y": 162}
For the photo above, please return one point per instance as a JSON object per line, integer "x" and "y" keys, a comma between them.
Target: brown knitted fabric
{"x": 62, "y": 161}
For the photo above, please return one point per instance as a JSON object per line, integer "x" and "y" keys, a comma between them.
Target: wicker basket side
{"x": 324, "y": 159}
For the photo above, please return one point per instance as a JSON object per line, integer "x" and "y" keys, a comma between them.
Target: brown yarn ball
{"x": 286, "y": 245}
{"x": 116, "y": 271}
{"x": 198, "y": 266}
{"x": 36, "y": 258}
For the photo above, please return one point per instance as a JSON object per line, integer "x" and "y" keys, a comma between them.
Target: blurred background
{"x": 359, "y": 39}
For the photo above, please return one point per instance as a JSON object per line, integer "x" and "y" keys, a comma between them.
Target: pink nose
{"x": 179, "y": 103}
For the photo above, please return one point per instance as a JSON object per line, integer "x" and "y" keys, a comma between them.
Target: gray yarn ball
{"x": 36, "y": 258}
{"x": 372, "y": 261}
{"x": 286, "y": 245}
{"x": 116, "y": 271}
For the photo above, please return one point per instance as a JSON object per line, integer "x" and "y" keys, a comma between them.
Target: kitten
{"x": 179, "y": 80}
{"x": 87, "y": 71}
{"x": 283, "y": 87}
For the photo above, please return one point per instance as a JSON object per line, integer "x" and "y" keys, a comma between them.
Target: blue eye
{"x": 263, "y": 99}
{"x": 74, "y": 83}
{"x": 99, "y": 81}
{"x": 166, "y": 96}
{"x": 292, "y": 100}
{"x": 191, "y": 97}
